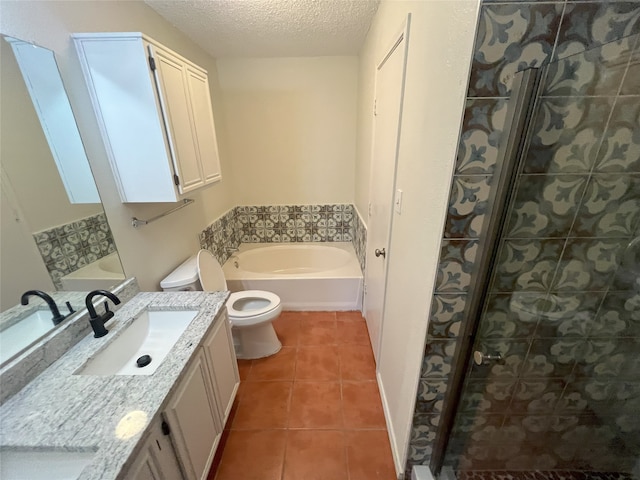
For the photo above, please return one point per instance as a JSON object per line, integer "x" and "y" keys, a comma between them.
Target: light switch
{"x": 398, "y": 201}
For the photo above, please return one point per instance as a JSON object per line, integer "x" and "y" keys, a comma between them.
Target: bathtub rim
{"x": 350, "y": 270}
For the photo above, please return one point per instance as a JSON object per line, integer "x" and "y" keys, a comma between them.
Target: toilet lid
{"x": 210, "y": 272}
{"x": 251, "y": 303}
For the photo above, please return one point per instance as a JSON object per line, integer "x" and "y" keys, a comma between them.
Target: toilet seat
{"x": 252, "y": 316}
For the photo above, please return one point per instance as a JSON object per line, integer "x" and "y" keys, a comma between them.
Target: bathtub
{"x": 306, "y": 276}
{"x": 104, "y": 273}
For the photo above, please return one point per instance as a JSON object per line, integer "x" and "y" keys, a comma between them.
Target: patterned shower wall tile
{"x": 456, "y": 265}
{"x": 545, "y": 205}
{"x": 566, "y": 134}
{"x": 610, "y": 358}
{"x": 584, "y": 397}
{"x": 631, "y": 83}
{"x": 438, "y": 359}
{"x": 564, "y": 314}
{"x": 541, "y": 430}
{"x": 427, "y": 426}
{"x": 619, "y": 316}
{"x": 419, "y": 455}
{"x": 467, "y": 206}
{"x": 610, "y": 208}
{"x": 482, "y": 126}
{"x": 526, "y": 266}
{"x": 486, "y": 396}
{"x": 512, "y": 315}
{"x": 431, "y": 394}
{"x": 599, "y": 396}
{"x": 447, "y": 314}
{"x": 536, "y": 395}
{"x": 586, "y": 25}
{"x": 588, "y": 264}
{"x": 598, "y": 71}
{"x": 595, "y": 458}
{"x": 620, "y": 149}
{"x": 467, "y": 425}
{"x": 513, "y": 353}
{"x": 552, "y": 358}
{"x": 511, "y": 38}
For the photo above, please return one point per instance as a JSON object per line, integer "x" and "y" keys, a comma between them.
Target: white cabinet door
{"x": 222, "y": 362}
{"x": 193, "y": 418}
{"x": 205, "y": 131}
{"x": 174, "y": 97}
{"x": 144, "y": 468}
{"x": 157, "y": 459}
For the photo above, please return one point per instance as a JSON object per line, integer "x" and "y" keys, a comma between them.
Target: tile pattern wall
{"x": 360, "y": 238}
{"x": 284, "y": 223}
{"x": 222, "y": 236}
{"x": 513, "y": 35}
{"x": 67, "y": 248}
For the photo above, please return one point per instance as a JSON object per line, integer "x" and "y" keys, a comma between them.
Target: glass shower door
{"x": 555, "y": 384}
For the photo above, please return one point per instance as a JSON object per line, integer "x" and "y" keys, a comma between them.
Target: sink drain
{"x": 143, "y": 361}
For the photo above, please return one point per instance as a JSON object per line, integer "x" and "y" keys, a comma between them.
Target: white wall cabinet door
{"x": 223, "y": 366}
{"x": 157, "y": 459}
{"x": 173, "y": 92}
{"x": 154, "y": 111}
{"x": 198, "y": 85}
{"x": 192, "y": 415}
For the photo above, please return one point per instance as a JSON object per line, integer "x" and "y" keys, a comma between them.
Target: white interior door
{"x": 386, "y": 134}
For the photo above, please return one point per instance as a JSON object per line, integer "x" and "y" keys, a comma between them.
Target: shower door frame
{"x": 513, "y": 147}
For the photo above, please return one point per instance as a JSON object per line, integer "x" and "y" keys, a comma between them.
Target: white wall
{"x": 440, "y": 47}
{"x": 150, "y": 252}
{"x": 291, "y": 125}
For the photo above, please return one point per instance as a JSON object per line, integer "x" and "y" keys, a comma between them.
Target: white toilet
{"x": 251, "y": 312}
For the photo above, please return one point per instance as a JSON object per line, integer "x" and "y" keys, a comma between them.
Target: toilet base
{"x": 256, "y": 341}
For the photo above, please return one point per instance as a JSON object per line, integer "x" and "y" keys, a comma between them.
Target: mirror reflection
{"x": 54, "y": 235}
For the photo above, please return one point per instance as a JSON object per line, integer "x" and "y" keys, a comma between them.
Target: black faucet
{"x": 97, "y": 321}
{"x": 57, "y": 318}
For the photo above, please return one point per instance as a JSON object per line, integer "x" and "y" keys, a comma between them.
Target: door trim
{"x": 402, "y": 35}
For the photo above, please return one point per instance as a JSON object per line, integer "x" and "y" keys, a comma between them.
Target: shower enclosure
{"x": 551, "y": 384}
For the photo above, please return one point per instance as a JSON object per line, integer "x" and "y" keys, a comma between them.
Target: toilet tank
{"x": 184, "y": 278}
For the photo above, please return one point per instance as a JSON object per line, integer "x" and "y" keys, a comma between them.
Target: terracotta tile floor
{"x": 310, "y": 412}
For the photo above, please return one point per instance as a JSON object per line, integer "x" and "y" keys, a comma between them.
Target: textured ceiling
{"x": 271, "y": 28}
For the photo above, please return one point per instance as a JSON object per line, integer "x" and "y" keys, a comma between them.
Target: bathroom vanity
{"x": 165, "y": 425}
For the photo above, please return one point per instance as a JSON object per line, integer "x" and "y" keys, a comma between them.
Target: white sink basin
{"x": 152, "y": 333}
{"x": 26, "y": 330}
{"x": 30, "y": 464}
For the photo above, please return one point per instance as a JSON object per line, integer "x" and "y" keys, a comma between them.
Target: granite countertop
{"x": 62, "y": 411}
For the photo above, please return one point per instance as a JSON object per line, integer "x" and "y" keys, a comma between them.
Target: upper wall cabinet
{"x": 154, "y": 111}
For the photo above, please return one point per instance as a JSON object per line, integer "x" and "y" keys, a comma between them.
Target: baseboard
{"x": 399, "y": 462}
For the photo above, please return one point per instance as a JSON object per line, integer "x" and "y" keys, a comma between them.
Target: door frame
{"x": 399, "y": 40}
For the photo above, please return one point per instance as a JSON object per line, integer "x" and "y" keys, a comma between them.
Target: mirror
{"x": 54, "y": 234}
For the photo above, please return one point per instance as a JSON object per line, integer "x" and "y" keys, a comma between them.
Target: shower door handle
{"x": 380, "y": 253}
{"x": 480, "y": 358}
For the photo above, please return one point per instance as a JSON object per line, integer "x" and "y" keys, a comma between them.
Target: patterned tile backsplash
{"x": 69, "y": 247}
{"x": 562, "y": 310}
{"x": 283, "y": 224}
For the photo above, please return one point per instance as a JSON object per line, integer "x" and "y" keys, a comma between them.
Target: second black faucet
{"x": 97, "y": 321}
